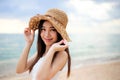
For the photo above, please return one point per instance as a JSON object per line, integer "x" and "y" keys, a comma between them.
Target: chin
{"x": 48, "y": 44}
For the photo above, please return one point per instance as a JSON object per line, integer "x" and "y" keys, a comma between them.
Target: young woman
{"x": 52, "y": 49}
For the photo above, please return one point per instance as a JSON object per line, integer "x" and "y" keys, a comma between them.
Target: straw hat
{"x": 58, "y": 19}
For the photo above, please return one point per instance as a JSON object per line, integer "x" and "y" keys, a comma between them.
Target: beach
{"x": 102, "y": 71}
{"x": 109, "y": 70}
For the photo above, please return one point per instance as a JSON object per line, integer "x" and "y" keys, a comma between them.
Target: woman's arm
{"x": 47, "y": 71}
{"x": 23, "y": 63}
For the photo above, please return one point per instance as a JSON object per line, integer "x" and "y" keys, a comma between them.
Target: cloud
{"x": 89, "y": 17}
{"x": 91, "y": 9}
{"x": 14, "y": 14}
{"x": 12, "y": 26}
{"x": 112, "y": 26}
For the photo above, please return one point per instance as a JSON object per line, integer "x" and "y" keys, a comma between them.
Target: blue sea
{"x": 84, "y": 47}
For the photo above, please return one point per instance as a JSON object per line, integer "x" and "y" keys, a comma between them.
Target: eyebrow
{"x": 52, "y": 27}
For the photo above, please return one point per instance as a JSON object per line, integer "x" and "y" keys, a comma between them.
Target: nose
{"x": 47, "y": 33}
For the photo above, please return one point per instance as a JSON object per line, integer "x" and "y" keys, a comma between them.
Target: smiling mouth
{"x": 48, "y": 40}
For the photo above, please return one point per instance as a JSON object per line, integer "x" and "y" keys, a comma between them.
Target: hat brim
{"x": 34, "y": 23}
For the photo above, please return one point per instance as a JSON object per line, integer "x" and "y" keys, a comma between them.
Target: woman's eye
{"x": 42, "y": 29}
{"x": 53, "y": 29}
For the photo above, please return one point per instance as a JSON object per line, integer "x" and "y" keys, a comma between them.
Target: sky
{"x": 85, "y": 16}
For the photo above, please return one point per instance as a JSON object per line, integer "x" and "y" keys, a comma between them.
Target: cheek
{"x": 54, "y": 36}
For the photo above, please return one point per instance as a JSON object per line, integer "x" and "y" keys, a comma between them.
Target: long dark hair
{"x": 41, "y": 49}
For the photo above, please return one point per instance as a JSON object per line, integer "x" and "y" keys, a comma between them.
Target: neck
{"x": 47, "y": 48}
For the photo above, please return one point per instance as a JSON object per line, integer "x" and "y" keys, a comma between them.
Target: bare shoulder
{"x": 62, "y": 54}
{"x": 61, "y": 59}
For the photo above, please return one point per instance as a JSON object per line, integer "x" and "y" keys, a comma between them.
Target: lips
{"x": 47, "y": 40}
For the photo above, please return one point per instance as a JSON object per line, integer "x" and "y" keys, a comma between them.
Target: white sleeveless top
{"x": 36, "y": 67}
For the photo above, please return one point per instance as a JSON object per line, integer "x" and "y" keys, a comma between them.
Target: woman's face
{"x": 48, "y": 33}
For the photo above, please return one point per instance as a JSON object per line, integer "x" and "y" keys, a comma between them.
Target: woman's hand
{"x": 29, "y": 35}
{"x": 60, "y": 46}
